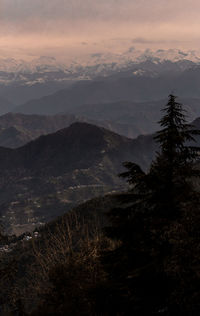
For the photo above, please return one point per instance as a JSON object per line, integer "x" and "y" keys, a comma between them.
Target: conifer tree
{"x": 156, "y": 227}
{"x": 174, "y": 165}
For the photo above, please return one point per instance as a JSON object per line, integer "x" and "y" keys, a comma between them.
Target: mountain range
{"x": 132, "y": 118}
{"x": 120, "y": 87}
{"x": 22, "y": 80}
{"x": 18, "y": 129}
{"x": 111, "y": 103}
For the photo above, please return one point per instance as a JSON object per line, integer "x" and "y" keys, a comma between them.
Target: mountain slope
{"x": 51, "y": 174}
{"x": 127, "y": 118}
{"x": 131, "y": 118}
{"x": 18, "y": 129}
{"x": 130, "y": 88}
{"x": 46, "y": 177}
{"x": 79, "y": 146}
{"x": 5, "y": 105}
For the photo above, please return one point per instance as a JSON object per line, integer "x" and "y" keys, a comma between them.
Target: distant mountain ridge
{"x": 130, "y": 118}
{"x": 18, "y": 129}
{"x": 111, "y": 103}
{"x": 127, "y": 118}
{"x": 117, "y": 88}
{"x": 22, "y": 80}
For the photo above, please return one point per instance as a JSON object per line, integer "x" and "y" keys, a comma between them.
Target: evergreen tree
{"x": 174, "y": 166}
{"x": 156, "y": 228}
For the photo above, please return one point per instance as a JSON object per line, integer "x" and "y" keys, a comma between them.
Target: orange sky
{"x": 67, "y": 28}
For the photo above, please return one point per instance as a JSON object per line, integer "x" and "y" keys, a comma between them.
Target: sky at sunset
{"x": 67, "y": 28}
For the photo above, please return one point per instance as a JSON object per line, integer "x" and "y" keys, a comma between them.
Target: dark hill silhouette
{"x": 18, "y": 129}
{"x": 47, "y": 176}
{"x": 78, "y": 146}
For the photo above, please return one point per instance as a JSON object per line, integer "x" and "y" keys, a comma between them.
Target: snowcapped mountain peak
{"x": 161, "y": 55}
{"x": 47, "y": 68}
{"x": 132, "y": 55}
{"x": 49, "y": 63}
{"x": 42, "y": 63}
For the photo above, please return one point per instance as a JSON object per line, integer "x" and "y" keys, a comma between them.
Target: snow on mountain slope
{"x": 48, "y": 69}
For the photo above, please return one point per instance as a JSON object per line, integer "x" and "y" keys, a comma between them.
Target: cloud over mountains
{"x": 76, "y": 21}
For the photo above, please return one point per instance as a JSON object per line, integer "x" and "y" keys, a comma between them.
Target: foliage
{"x": 69, "y": 268}
{"x": 59, "y": 270}
{"x": 157, "y": 228}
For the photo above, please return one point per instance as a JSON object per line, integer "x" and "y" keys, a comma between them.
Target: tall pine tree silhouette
{"x": 154, "y": 227}
{"x": 174, "y": 165}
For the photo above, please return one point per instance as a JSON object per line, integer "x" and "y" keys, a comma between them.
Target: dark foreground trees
{"x": 149, "y": 261}
{"x": 155, "y": 268}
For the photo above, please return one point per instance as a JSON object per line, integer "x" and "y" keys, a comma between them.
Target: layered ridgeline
{"x": 119, "y": 87}
{"x": 18, "y": 129}
{"x": 124, "y": 117}
{"x": 120, "y": 103}
{"x": 22, "y": 80}
{"x": 132, "y": 118}
{"x": 46, "y": 177}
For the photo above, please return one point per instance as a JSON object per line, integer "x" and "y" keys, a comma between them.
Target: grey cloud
{"x": 96, "y": 55}
{"x": 131, "y": 49}
{"x": 141, "y": 40}
{"x": 88, "y": 18}
{"x": 135, "y": 10}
